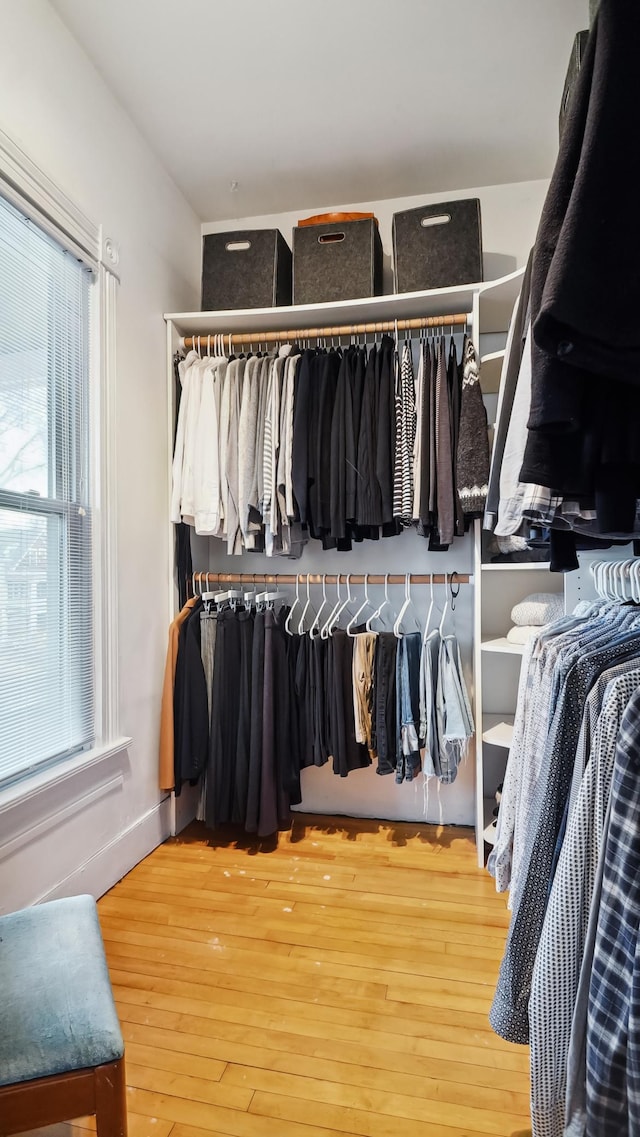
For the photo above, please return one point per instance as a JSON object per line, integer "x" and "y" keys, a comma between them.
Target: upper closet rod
{"x": 331, "y": 578}
{"x": 295, "y": 334}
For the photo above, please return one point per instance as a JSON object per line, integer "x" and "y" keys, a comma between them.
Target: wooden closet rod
{"x": 202, "y": 578}
{"x": 296, "y": 334}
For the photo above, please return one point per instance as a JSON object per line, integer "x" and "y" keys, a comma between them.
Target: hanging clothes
{"x": 409, "y": 742}
{"x": 472, "y": 468}
{"x": 338, "y": 446}
{"x": 405, "y": 437}
{"x": 454, "y": 718}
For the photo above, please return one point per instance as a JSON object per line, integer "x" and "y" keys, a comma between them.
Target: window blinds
{"x": 46, "y": 635}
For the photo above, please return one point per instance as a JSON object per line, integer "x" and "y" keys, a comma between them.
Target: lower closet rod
{"x": 295, "y": 334}
{"x": 331, "y": 578}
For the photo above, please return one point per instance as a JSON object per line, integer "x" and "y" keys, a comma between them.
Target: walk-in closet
{"x": 319, "y": 569}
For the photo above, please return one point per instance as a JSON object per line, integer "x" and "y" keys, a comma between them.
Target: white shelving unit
{"x": 497, "y": 730}
{"x": 490, "y": 370}
{"x": 489, "y": 306}
{"x": 499, "y": 588}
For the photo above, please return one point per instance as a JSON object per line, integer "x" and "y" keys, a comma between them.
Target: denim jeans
{"x": 408, "y": 763}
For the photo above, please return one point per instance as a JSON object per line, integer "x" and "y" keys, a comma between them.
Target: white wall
{"x": 56, "y": 106}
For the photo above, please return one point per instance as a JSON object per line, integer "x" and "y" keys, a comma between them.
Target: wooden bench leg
{"x": 111, "y": 1100}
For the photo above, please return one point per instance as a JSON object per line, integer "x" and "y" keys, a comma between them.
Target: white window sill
{"x": 38, "y": 783}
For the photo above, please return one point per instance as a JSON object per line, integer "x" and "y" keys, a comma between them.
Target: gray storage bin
{"x": 247, "y": 268}
{"x": 437, "y": 246}
{"x": 338, "y": 261}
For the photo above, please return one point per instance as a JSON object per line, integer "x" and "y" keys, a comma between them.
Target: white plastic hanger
{"x": 345, "y": 604}
{"x": 366, "y": 603}
{"x": 306, "y": 608}
{"x": 325, "y": 630}
{"x": 430, "y": 612}
{"x": 408, "y": 603}
{"x": 287, "y": 623}
{"x": 315, "y": 629}
{"x": 385, "y": 604}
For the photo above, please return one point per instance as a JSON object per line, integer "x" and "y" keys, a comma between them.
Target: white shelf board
{"x": 496, "y": 296}
{"x": 490, "y": 372}
{"x": 497, "y": 730}
{"x": 503, "y": 645}
{"x": 521, "y": 566}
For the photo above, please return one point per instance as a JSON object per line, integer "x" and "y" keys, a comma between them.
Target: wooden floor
{"x": 337, "y": 984}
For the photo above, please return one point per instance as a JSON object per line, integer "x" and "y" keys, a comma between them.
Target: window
{"x": 46, "y": 624}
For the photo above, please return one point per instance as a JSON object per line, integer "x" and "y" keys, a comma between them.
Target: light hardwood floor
{"x": 338, "y": 983}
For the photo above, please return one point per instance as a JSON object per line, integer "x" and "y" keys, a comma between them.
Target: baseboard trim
{"x": 108, "y": 865}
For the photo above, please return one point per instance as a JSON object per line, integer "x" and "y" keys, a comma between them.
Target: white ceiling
{"x": 306, "y": 104}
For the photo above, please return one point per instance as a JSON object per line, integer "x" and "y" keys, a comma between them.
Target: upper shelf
{"x": 496, "y": 298}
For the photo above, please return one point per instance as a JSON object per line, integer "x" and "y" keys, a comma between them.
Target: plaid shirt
{"x": 613, "y": 1035}
{"x": 557, "y": 967}
{"x": 509, "y": 1012}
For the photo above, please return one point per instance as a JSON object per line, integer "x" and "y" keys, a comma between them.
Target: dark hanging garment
{"x": 326, "y": 401}
{"x": 291, "y": 747}
{"x": 347, "y": 753}
{"x": 454, "y": 383}
{"x": 444, "y": 457}
{"x": 384, "y": 702}
{"x": 300, "y": 444}
{"x": 243, "y": 744}
{"x": 184, "y": 564}
{"x": 584, "y": 421}
{"x": 433, "y": 470}
{"x": 318, "y": 686}
{"x": 424, "y": 506}
{"x": 274, "y": 798}
{"x": 225, "y": 713}
{"x": 341, "y": 426}
{"x": 182, "y": 539}
{"x": 190, "y": 704}
{"x": 473, "y": 440}
{"x": 408, "y": 760}
{"x": 255, "y": 740}
{"x": 356, "y": 371}
{"x": 287, "y": 755}
{"x": 386, "y": 434}
{"x": 368, "y": 501}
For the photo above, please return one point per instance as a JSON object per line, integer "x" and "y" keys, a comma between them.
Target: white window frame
{"x": 30, "y": 190}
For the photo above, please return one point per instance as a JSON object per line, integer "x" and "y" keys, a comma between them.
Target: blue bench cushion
{"x": 56, "y": 1007}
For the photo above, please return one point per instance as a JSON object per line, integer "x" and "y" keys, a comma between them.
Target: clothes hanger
{"x": 345, "y": 604}
{"x": 446, "y": 605}
{"x": 287, "y": 623}
{"x": 353, "y": 622}
{"x": 315, "y": 629}
{"x": 430, "y": 612}
{"x": 385, "y": 604}
{"x": 408, "y": 603}
{"x": 325, "y": 630}
{"x": 306, "y": 608}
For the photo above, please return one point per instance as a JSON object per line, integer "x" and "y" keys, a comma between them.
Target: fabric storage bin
{"x": 247, "y": 268}
{"x": 437, "y": 246}
{"x": 573, "y": 70}
{"x": 336, "y": 261}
